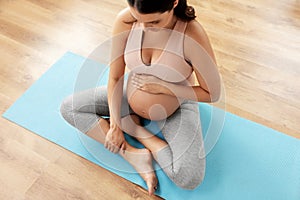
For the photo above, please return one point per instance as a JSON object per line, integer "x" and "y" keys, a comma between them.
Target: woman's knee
{"x": 66, "y": 107}
{"x": 190, "y": 182}
{"x": 190, "y": 178}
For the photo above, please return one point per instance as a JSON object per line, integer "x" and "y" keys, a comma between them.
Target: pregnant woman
{"x": 165, "y": 49}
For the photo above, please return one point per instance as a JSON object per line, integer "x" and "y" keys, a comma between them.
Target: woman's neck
{"x": 172, "y": 23}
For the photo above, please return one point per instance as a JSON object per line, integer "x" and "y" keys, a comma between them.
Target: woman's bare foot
{"x": 141, "y": 160}
{"x": 131, "y": 125}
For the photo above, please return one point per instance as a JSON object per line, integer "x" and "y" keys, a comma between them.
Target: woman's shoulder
{"x": 196, "y": 31}
{"x": 123, "y": 21}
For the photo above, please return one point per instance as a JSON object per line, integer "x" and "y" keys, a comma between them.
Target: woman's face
{"x": 154, "y": 20}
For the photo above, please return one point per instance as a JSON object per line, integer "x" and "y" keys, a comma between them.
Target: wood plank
{"x": 257, "y": 45}
{"x": 75, "y": 178}
{"x": 24, "y": 166}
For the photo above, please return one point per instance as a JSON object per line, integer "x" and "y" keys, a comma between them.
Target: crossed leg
{"x": 180, "y": 156}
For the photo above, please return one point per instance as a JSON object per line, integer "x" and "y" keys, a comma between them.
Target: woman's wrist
{"x": 114, "y": 125}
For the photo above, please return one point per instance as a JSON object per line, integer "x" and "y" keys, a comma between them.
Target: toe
{"x": 152, "y": 186}
{"x": 150, "y": 191}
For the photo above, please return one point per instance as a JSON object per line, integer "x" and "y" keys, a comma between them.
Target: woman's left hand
{"x": 149, "y": 83}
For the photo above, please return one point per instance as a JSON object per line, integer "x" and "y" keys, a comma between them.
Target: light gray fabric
{"x": 83, "y": 109}
{"x": 183, "y": 160}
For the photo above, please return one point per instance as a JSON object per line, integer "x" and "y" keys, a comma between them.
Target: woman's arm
{"x": 199, "y": 53}
{"x": 115, "y": 137}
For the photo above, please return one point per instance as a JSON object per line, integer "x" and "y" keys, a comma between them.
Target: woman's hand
{"x": 114, "y": 140}
{"x": 149, "y": 83}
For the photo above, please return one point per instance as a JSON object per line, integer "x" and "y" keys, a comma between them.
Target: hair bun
{"x": 190, "y": 11}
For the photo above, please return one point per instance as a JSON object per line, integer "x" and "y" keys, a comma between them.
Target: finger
{"x": 143, "y": 75}
{"x": 137, "y": 85}
{"x": 123, "y": 147}
{"x": 111, "y": 147}
{"x": 136, "y": 78}
{"x": 116, "y": 150}
{"x": 137, "y": 82}
{"x": 135, "y": 75}
{"x": 108, "y": 147}
{"x": 139, "y": 77}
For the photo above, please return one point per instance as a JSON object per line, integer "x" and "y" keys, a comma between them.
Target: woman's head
{"x": 164, "y": 8}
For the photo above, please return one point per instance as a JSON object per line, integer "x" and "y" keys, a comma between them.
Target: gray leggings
{"x": 183, "y": 160}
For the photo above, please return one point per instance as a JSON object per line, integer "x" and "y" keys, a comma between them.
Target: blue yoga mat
{"x": 249, "y": 161}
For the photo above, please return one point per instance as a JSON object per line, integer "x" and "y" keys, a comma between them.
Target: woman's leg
{"x": 83, "y": 110}
{"x": 184, "y": 159}
{"x": 182, "y": 155}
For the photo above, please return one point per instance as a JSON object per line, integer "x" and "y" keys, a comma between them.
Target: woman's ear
{"x": 175, "y": 3}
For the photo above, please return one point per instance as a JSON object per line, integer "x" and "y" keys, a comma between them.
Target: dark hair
{"x": 182, "y": 10}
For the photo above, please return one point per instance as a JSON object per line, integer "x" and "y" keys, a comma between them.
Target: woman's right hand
{"x": 115, "y": 140}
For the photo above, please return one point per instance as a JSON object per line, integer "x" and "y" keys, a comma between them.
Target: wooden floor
{"x": 257, "y": 45}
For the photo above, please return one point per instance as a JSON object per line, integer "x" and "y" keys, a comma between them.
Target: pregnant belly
{"x": 151, "y": 106}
